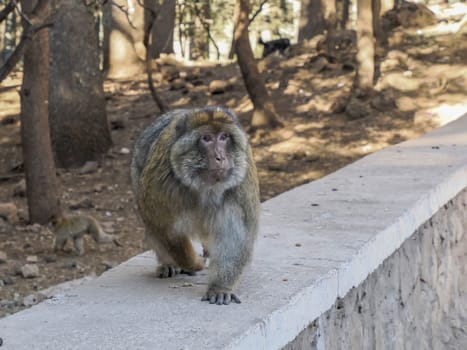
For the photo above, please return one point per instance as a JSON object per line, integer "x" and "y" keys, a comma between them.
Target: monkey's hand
{"x": 220, "y": 296}
{"x": 167, "y": 271}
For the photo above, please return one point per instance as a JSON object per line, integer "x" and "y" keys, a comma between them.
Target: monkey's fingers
{"x": 187, "y": 272}
{"x": 166, "y": 271}
{"x": 220, "y": 298}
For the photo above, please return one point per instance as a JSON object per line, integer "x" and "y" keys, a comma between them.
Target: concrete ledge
{"x": 316, "y": 242}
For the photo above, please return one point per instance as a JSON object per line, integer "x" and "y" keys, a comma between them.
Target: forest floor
{"x": 422, "y": 80}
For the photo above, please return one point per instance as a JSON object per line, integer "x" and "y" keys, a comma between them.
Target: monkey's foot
{"x": 220, "y": 297}
{"x": 166, "y": 271}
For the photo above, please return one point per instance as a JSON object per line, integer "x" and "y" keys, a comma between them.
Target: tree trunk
{"x": 126, "y": 51}
{"x": 199, "y": 39}
{"x": 311, "y": 19}
{"x": 365, "y": 45}
{"x": 41, "y": 182}
{"x": 330, "y": 14}
{"x": 78, "y": 120}
{"x": 107, "y": 29}
{"x": 344, "y": 13}
{"x": 377, "y": 28}
{"x": 163, "y": 30}
{"x": 264, "y": 114}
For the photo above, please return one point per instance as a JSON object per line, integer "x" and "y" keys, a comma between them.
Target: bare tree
{"x": 264, "y": 114}
{"x": 78, "y": 120}
{"x": 199, "y": 38}
{"x": 344, "y": 13}
{"x": 151, "y": 16}
{"x": 125, "y": 50}
{"x": 32, "y": 25}
{"x": 41, "y": 182}
{"x": 365, "y": 45}
{"x": 163, "y": 27}
{"x": 311, "y": 19}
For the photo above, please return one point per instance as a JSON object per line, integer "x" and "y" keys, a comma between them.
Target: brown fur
{"x": 195, "y": 179}
{"x": 74, "y": 227}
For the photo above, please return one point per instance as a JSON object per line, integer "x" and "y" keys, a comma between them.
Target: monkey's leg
{"x": 228, "y": 256}
{"x": 175, "y": 255}
{"x": 167, "y": 267}
{"x": 59, "y": 243}
{"x": 79, "y": 245}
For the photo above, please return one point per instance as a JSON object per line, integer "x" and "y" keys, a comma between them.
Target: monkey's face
{"x": 211, "y": 152}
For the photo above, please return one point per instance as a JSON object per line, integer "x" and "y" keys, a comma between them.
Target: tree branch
{"x": 206, "y": 28}
{"x": 14, "y": 58}
{"x": 147, "y": 44}
{"x": 125, "y": 11}
{"x": 33, "y": 25}
{"x": 258, "y": 11}
{"x": 7, "y": 10}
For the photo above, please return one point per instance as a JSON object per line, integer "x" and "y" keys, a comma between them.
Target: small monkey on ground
{"x": 74, "y": 227}
{"x": 194, "y": 177}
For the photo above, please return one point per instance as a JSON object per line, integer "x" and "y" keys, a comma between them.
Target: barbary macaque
{"x": 274, "y": 45}
{"x": 74, "y": 227}
{"x": 194, "y": 178}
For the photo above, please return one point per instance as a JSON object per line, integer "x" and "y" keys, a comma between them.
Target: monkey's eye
{"x": 223, "y": 136}
{"x": 207, "y": 138}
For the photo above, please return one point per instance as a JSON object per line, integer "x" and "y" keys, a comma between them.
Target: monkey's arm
{"x": 59, "y": 242}
{"x": 229, "y": 253}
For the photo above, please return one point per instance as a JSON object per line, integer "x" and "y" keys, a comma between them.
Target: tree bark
{"x": 365, "y": 45}
{"x": 264, "y": 114}
{"x": 377, "y": 27}
{"x": 41, "y": 182}
{"x": 78, "y": 120}
{"x": 311, "y": 19}
{"x": 344, "y": 19}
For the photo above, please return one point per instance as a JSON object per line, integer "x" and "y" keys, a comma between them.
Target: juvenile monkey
{"x": 75, "y": 227}
{"x": 194, "y": 177}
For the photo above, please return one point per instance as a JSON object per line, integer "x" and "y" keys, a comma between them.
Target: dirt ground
{"x": 421, "y": 78}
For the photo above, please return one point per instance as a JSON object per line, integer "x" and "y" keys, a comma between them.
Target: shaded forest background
{"x": 81, "y": 79}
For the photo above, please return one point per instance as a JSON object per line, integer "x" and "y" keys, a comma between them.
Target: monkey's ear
{"x": 180, "y": 127}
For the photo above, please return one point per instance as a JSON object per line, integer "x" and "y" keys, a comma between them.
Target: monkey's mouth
{"x": 214, "y": 176}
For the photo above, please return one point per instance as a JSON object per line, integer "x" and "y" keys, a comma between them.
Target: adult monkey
{"x": 194, "y": 177}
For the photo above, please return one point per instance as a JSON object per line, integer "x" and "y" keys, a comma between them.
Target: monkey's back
{"x": 145, "y": 142}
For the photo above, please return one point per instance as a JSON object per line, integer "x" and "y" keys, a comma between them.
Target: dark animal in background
{"x": 274, "y": 45}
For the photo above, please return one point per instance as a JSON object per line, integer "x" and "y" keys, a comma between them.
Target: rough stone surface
{"x": 315, "y": 244}
{"x": 9, "y": 212}
{"x": 417, "y": 299}
{"x": 30, "y": 271}
{"x": 89, "y": 167}
{"x": 3, "y": 257}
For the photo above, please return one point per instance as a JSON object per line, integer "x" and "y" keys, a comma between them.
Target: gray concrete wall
{"x": 416, "y": 299}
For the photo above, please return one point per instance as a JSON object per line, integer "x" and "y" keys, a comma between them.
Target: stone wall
{"x": 416, "y": 299}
